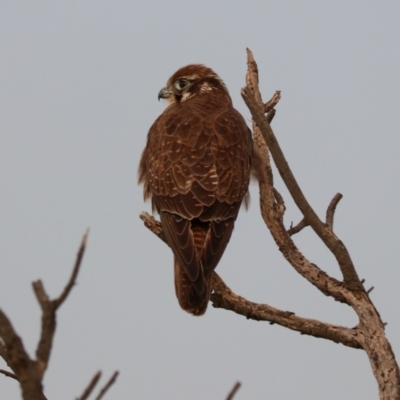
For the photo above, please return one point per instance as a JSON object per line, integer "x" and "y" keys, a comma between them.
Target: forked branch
{"x": 92, "y": 384}
{"x": 223, "y": 297}
{"x": 350, "y": 276}
{"x": 28, "y": 372}
{"x": 369, "y": 333}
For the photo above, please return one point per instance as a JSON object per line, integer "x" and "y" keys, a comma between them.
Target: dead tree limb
{"x": 223, "y": 297}
{"x": 90, "y": 387}
{"x": 233, "y": 391}
{"x": 330, "y": 212}
{"x": 299, "y": 227}
{"x": 92, "y": 384}
{"x": 252, "y": 97}
{"x": 107, "y": 386}
{"x": 30, "y": 372}
{"x": 9, "y": 374}
{"x": 369, "y": 334}
{"x": 49, "y": 309}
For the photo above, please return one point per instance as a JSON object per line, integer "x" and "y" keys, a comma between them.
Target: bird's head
{"x": 192, "y": 80}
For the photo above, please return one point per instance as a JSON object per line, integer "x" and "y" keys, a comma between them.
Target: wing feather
{"x": 196, "y": 168}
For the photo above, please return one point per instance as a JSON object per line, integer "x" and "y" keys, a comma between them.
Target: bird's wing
{"x": 197, "y": 170}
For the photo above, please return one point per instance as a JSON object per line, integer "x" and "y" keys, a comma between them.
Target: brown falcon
{"x": 196, "y": 170}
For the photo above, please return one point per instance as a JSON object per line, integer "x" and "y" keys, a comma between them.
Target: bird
{"x": 195, "y": 168}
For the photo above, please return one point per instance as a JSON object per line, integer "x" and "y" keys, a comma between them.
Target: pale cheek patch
{"x": 186, "y": 96}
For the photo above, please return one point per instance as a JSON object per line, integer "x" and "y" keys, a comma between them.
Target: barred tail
{"x": 189, "y": 299}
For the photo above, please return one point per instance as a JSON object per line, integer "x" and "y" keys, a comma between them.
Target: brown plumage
{"x": 196, "y": 169}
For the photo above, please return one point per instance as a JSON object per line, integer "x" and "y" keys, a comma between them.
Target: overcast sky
{"x": 79, "y": 85}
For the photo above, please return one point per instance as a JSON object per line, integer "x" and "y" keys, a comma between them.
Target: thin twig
{"x": 232, "y": 393}
{"x": 330, "y": 212}
{"x": 270, "y": 104}
{"x": 296, "y": 229}
{"x": 89, "y": 389}
{"x": 49, "y": 309}
{"x": 40, "y": 293}
{"x": 72, "y": 279}
{"x": 110, "y": 382}
{"x": 9, "y": 374}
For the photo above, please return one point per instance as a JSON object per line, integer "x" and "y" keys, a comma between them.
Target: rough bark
{"x": 369, "y": 334}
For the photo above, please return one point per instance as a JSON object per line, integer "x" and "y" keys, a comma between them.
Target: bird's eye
{"x": 180, "y": 84}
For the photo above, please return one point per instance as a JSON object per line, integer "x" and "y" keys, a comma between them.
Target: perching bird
{"x": 196, "y": 170}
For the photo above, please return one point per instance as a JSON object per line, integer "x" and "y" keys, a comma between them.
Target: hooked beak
{"x": 164, "y": 93}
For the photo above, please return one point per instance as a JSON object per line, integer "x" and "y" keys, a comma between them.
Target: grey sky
{"x": 79, "y": 86}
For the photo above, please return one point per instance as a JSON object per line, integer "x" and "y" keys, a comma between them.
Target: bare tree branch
{"x": 49, "y": 308}
{"x": 107, "y": 386}
{"x": 223, "y": 297}
{"x": 40, "y": 293}
{"x": 330, "y": 212}
{"x": 370, "y": 289}
{"x": 17, "y": 357}
{"x": 270, "y": 116}
{"x": 270, "y": 104}
{"x": 90, "y": 387}
{"x": 252, "y": 97}
{"x": 9, "y": 374}
{"x": 310, "y": 271}
{"x": 234, "y": 390}
{"x": 252, "y": 78}
{"x": 332, "y": 242}
{"x": 75, "y": 271}
{"x": 296, "y": 229}
{"x": 155, "y": 226}
{"x": 27, "y": 371}
{"x": 222, "y": 291}
{"x": 369, "y": 333}
{"x": 272, "y": 215}
{"x": 92, "y": 384}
